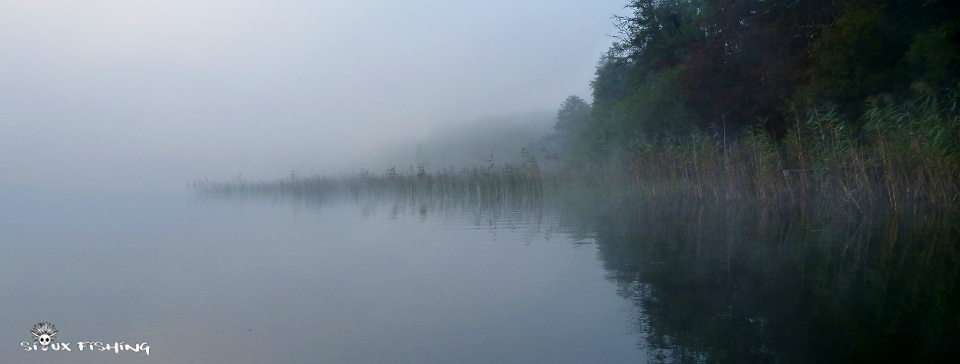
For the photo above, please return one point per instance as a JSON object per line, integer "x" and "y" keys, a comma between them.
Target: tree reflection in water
{"x": 735, "y": 284}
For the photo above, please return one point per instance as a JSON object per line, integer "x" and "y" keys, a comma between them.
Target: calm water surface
{"x": 284, "y": 279}
{"x": 259, "y": 281}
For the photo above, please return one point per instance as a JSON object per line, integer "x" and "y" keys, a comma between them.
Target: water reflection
{"x": 735, "y": 284}
{"x": 534, "y": 212}
{"x": 257, "y": 278}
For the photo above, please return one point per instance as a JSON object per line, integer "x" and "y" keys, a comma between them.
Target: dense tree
{"x": 884, "y": 46}
{"x": 573, "y": 116}
{"x": 686, "y": 65}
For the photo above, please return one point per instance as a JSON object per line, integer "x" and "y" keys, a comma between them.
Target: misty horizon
{"x": 153, "y": 95}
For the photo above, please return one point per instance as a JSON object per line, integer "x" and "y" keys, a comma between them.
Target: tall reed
{"x": 898, "y": 156}
{"x": 518, "y": 184}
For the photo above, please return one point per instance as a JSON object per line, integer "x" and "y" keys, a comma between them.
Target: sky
{"x": 132, "y": 94}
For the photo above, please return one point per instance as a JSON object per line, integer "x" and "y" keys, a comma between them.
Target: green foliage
{"x": 572, "y": 118}
{"x": 935, "y": 53}
{"x": 883, "y": 46}
{"x": 926, "y": 126}
{"x": 611, "y": 81}
{"x": 654, "y": 111}
{"x": 687, "y": 66}
{"x": 848, "y": 55}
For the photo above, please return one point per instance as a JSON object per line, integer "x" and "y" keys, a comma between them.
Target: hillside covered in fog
{"x": 491, "y": 139}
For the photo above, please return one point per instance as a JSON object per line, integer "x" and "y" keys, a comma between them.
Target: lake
{"x": 298, "y": 279}
{"x": 228, "y": 281}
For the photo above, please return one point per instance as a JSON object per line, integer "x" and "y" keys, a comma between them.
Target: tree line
{"x": 721, "y": 67}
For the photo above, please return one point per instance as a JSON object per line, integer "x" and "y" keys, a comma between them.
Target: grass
{"x": 897, "y": 156}
{"x": 509, "y": 184}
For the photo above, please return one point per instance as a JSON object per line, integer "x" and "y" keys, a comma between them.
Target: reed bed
{"x": 507, "y": 184}
{"x": 898, "y": 156}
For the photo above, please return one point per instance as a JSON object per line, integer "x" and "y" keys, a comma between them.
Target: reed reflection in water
{"x": 737, "y": 284}
{"x": 736, "y": 281}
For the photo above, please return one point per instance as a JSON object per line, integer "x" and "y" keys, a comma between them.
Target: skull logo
{"x": 43, "y": 334}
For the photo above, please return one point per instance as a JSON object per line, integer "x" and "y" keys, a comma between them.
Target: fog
{"x": 489, "y": 140}
{"x": 154, "y": 94}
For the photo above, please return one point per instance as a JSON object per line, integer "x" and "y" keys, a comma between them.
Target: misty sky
{"x": 142, "y": 94}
